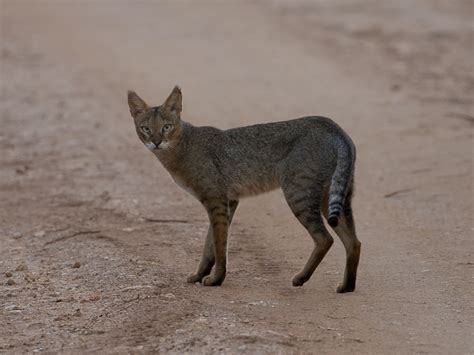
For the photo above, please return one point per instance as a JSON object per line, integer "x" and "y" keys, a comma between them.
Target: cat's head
{"x": 160, "y": 127}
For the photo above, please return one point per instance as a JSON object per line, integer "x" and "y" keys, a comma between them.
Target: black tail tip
{"x": 333, "y": 220}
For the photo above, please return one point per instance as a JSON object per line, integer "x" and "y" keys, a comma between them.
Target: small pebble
{"x": 8, "y": 274}
{"x": 11, "y": 282}
{"x": 29, "y": 277}
{"x": 21, "y": 268}
{"x": 17, "y": 235}
{"x": 91, "y": 298}
{"x": 76, "y": 265}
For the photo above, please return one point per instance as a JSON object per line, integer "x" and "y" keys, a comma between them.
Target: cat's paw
{"x": 299, "y": 280}
{"x": 345, "y": 288}
{"x": 212, "y": 280}
{"x": 193, "y": 278}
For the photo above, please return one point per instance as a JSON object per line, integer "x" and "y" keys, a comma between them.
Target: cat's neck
{"x": 172, "y": 157}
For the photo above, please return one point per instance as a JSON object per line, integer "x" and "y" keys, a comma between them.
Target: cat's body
{"x": 311, "y": 159}
{"x": 269, "y": 149}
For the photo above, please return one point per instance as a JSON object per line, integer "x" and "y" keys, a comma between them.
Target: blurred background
{"x": 97, "y": 240}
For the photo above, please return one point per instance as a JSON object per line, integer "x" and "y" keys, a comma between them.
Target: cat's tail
{"x": 342, "y": 180}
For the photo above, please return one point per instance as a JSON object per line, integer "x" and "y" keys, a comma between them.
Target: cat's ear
{"x": 136, "y": 104}
{"x": 174, "y": 102}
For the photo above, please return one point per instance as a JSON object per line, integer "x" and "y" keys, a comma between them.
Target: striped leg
{"x": 208, "y": 256}
{"x": 305, "y": 204}
{"x": 346, "y": 231}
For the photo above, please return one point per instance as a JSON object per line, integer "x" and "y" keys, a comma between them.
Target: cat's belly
{"x": 245, "y": 188}
{"x": 252, "y": 188}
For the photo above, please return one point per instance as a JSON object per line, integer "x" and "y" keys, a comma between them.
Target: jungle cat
{"x": 310, "y": 158}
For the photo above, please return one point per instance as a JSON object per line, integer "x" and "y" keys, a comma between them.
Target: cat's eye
{"x": 145, "y": 129}
{"x": 167, "y": 127}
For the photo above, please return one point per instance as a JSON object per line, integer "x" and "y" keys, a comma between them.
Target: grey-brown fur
{"x": 311, "y": 159}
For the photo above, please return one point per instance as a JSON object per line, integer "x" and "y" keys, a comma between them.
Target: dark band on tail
{"x": 335, "y": 208}
{"x": 341, "y": 181}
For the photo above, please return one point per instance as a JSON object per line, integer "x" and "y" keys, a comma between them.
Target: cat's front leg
{"x": 208, "y": 256}
{"x": 207, "y": 260}
{"x": 218, "y": 211}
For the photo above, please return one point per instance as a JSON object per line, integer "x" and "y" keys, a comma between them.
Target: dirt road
{"x": 96, "y": 240}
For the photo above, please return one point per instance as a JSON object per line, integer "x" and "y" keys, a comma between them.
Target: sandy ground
{"x": 96, "y": 240}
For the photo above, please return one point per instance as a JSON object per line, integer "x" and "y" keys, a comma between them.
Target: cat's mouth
{"x": 151, "y": 145}
{"x": 160, "y": 146}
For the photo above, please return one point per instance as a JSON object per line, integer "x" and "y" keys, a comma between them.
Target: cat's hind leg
{"x": 305, "y": 203}
{"x": 346, "y": 232}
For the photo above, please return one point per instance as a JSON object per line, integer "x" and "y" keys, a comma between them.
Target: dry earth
{"x": 96, "y": 240}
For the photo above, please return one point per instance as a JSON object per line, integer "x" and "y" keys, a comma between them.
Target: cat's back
{"x": 284, "y": 131}
{"x": 266, "y": 142}
{"x": 281, "y": 136}
{"x": 297, "y": 126}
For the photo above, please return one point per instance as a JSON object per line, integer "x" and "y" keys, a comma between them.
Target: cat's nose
{"x": 157, "y": 142}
